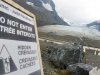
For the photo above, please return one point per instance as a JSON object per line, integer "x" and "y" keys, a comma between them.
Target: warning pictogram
{"x": 7, "y": 64}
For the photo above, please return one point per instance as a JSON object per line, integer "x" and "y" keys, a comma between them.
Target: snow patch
{"x": 67, "y": 21}
{"x": 47, "y": 6}
{"x": 30, "y": 3}
{"x": 70, "y": 23}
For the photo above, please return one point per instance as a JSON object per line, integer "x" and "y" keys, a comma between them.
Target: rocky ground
{"x": 48, "y": 67}
{"x": 51, "y": 69}
{"x": 92, "y": 59}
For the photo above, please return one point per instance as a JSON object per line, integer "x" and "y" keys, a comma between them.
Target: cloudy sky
{"x": 79, "y": 11}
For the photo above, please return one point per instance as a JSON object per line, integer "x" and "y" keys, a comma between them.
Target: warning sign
{"x": 18, "y": 46}
{"x": 7, "y": 64}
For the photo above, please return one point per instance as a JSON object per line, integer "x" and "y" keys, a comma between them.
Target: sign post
{"x": 19, "y": 45}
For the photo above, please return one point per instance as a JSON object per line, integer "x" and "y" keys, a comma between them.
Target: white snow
{"x": 47, "y": 6}
{"x": 94, "y": 27}
{"x": 67, "y": 21}
{"x": 70, "y": 23}
{"x": 30, "y": 3}
{"x": 71, "y": 30}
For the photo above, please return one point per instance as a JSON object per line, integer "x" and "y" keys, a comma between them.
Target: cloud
{"x": 79, "y": 11}
{"x": 58, "y": 8}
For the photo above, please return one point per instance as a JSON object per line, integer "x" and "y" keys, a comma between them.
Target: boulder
{"x": 79, "y": 69}
{"x": 66, "y": 54}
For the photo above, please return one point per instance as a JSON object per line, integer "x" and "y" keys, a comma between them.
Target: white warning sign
{"x": 18, "y": 46}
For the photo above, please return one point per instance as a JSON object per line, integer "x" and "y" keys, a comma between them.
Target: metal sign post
{"x": 19, "y": 46}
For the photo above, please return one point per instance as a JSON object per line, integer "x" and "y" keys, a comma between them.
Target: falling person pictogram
{"x": 7, "y": 64}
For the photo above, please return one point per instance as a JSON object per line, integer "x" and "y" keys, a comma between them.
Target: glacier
{"x": 79, "y": 31}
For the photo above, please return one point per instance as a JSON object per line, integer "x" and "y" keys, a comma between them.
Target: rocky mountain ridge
{"x": 43, "y": 16}
{"x": 94, "y": 25}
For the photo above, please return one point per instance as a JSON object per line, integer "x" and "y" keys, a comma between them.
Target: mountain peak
{"x": 44, "y": 10}
{"x": 94, "y": 25}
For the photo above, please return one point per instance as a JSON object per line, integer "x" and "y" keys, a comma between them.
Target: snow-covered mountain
{"x": 44, "y": 11}
{"x": 47, "y": 4}
{"x": 46, "y": 14}
{"x": 78, "y": 31}
{"x": 94, "y": 25}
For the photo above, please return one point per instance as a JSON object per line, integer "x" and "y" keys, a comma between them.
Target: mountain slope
{"x": 94, "y": 25}
{"x": 43, "y": 16}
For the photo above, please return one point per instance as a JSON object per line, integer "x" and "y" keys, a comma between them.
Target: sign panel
{"x": 18, "y": 47}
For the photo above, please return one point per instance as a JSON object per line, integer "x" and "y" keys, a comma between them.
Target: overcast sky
{"x": 79, "y": 11}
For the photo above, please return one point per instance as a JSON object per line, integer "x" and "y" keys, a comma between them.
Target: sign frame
{"x": 20, "y": 8}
